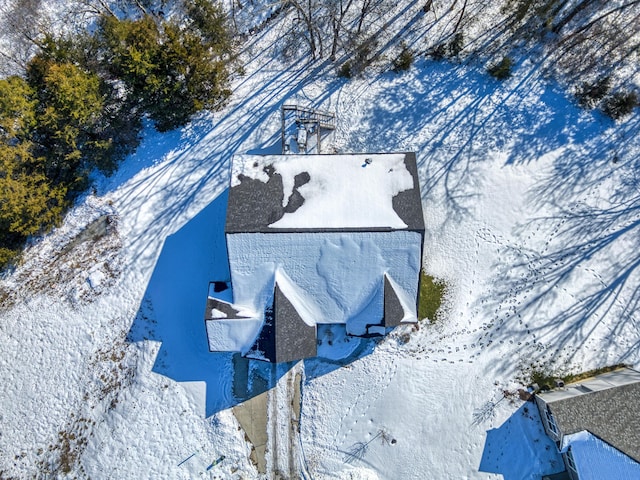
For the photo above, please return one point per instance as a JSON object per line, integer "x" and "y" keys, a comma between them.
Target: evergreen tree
{"x": 68, "y": 114}
{"x": 81, "y": 104}
{"x": 17, "y": 109}
{"x": 209, "y": 22}
{"x": 171, "y": 72}
{"x": 29, "y": 203}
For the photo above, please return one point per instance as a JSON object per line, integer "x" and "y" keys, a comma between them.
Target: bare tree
{"x": 307, "y": 25}
{"x": 597, "y": 40}
{"x": 338, "y": 9}
{"x": 328, "y": 27}
{"x": 21, "y": 26}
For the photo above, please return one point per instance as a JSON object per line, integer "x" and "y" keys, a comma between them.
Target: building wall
{"x": 343, "y": 272}
{"x": 556, "y": 436}
{"x": 573, "y": 475}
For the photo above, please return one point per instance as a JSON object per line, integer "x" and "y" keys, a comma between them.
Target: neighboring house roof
{"x": 324, "y": 192}
{"x": 597, "y": 460}
{"x": 605, "y": 406}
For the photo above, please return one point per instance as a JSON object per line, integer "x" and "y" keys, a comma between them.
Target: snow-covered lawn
{"x": 532, "y": 209}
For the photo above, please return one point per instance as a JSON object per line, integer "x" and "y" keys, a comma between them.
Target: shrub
{"x": 361, "y": 55}
{"x": 456, "y": 44}
{"x": 576, "y": 377}
{"x": 620, "y": 104}
{"x": 544, "y": 379}
{"x": 345, "y": 70}
{"x": 430, "y": 299}
{"x": 502, "y": 69}
{"x": 589, "y": 94}
{"x": 8, "y": 257}
{"x": 450, "y": 49}
{"x": 545, "y": 376}
{"x": 403, "y": 61}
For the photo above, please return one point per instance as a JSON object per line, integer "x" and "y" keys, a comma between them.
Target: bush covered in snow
{"x": 404, "y": 60}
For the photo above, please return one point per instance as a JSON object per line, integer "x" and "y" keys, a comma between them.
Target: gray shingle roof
{"x": 255, "y": 204}
{"x": 294, "y": 339}
{"x": 611, "y": 414}
{"x": 393, "y": 311}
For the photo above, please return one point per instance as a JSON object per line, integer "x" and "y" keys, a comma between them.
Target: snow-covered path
{"x": 531, "y": 210}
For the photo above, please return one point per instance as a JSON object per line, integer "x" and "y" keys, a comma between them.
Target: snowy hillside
{"x": 532, "y": 210}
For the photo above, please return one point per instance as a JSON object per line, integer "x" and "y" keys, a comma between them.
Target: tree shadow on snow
{"x": 585, "y": 279}
{"x": 581, "y": 290}
{"x": 172, "y": 313}
{"x": 520, "y": 448}
{"x": 457, "y": 118}
{"x": 174, "y": 172}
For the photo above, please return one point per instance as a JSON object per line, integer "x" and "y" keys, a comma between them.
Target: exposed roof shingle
{"x": 610, "y": 414}
{"x": 341, "y": 195}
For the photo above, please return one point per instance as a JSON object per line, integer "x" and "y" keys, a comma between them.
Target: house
{"x": 595, "y": 425}
{"x": 312, "y": 240}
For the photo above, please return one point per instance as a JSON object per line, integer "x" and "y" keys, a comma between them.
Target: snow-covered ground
{"x": 532, "y": 214}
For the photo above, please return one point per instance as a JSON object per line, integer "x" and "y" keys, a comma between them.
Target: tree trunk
{"x": 569, "y": 16}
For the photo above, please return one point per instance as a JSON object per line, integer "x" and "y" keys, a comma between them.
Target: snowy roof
{"x": 295, "y": 322}
{"x": 237, "y": 329}
{"x": 595, "y": 459}
{"x": 324, "y": 192}
{"x": 304, "y": 305}
{"x": 604, "y": 405}
{"x": 604, "y": 381}
{"x": 361, "y": 211}
{"x": 232, "y": 335}
{"x": 399, "y": 307}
